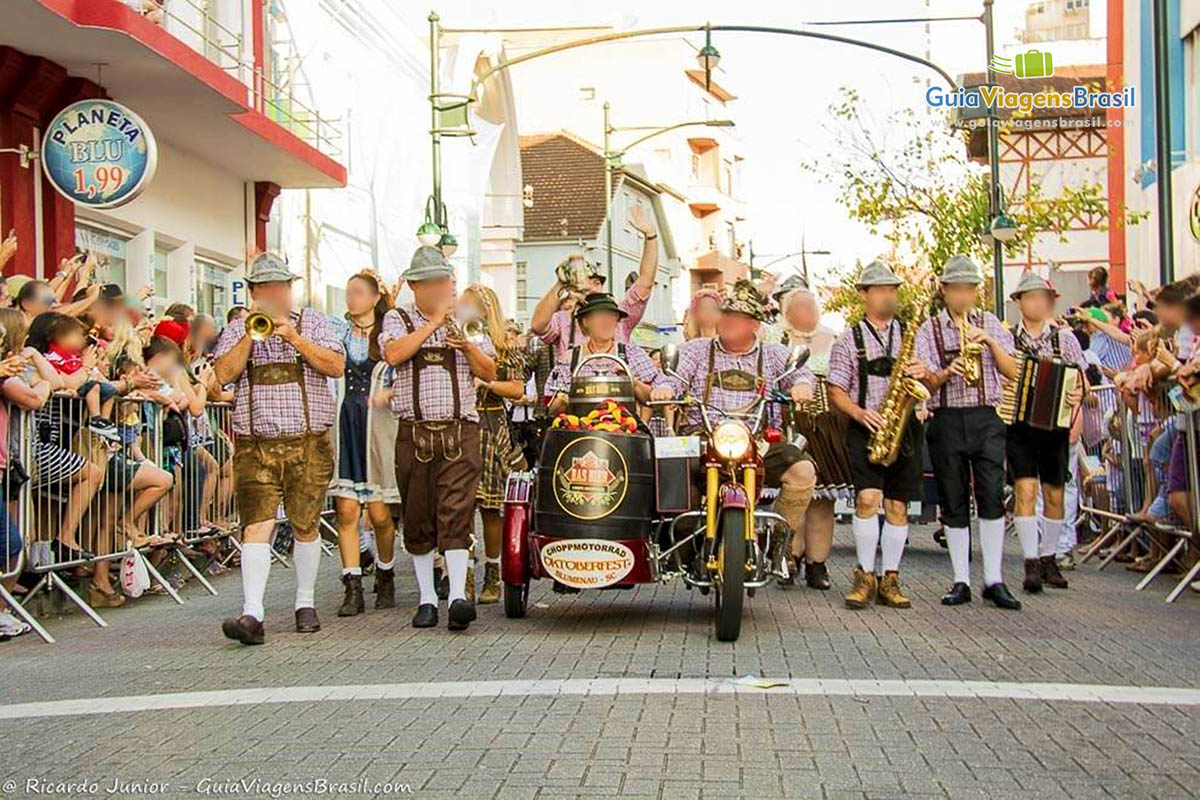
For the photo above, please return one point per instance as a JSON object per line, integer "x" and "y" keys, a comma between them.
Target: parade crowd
{"x": 405, "y": 419}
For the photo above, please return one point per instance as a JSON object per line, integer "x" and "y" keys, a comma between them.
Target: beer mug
{"x": 572, "y": 273}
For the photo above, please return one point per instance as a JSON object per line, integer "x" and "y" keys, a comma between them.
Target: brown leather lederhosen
{"x": 437, "y": 461}
{"x": 292, "y": 470}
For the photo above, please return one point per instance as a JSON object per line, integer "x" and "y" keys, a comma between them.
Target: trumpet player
{"x": 1040, "y": 456}
{"x": 962, "y": 356}
{"x": 860, "y": 370}
{"x": 438, "y": 461}
{"x": 283, "y": 409}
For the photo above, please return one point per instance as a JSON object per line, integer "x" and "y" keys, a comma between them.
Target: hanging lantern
{"x": 448, "y": 243}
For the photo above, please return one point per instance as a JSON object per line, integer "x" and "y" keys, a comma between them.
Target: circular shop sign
{"x": 1194, "y": 215}
{"x": 590, "y": 478}
{"x": 587, "y": 563}
{"x": 98, "y": 153}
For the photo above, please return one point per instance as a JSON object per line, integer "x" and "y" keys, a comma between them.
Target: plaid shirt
{"x": 640, "y": 365}
{"x": 437, "y": 393}
{"x": 693, "y": 375}
{"x": 558, "y": 334}
{"x": 279, "y": 409}
{"x": 843, "y": 361}
{"x": 1043, "y": 346}
{"x": 958, "y": 394}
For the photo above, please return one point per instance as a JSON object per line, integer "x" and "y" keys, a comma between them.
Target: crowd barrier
{"x": 158, "y": 484}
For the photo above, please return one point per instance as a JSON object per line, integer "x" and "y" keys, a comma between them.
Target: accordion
{"x": 1038, "y": 396}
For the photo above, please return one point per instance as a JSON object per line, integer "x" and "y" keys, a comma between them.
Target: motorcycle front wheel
{"x": 731, "y": 539}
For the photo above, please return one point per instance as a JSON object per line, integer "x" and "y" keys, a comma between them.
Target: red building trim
{"x": 265, "y": 193}
{"x": 1116, "y": 147}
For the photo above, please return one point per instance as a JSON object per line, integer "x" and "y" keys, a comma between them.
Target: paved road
{"x": 649, "y": 727}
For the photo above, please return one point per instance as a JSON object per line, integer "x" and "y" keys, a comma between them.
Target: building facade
{"x": 210, "y": 81}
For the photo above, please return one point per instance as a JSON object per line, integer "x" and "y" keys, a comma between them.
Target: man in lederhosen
{"x": 728, "y": 370}
{"x": 282, "y": 411}
{"x": 966, "y": 437}
{"x": 860, "y": 368}
{"x": 1040, "y": 456}
{"x": 437, "y": 444}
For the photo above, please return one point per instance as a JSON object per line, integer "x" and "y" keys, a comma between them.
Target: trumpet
{"x": 260, "y": 326}
{"x": 467, "y": 330}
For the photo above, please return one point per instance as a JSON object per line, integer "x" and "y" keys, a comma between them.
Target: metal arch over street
{"x": 612, "y": 37}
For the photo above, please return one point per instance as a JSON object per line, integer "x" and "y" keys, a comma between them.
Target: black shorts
{"x": 778, "y": 460}
{"x": 900, "y": 481}
{"x": 966, "y": 446}
{"x": 1034, "y": 453}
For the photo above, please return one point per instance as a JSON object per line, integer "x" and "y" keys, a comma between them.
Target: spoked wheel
{"x": 515, "y": 599}
{"x": 731, "y": 560}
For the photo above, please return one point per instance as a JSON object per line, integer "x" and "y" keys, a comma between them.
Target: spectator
{"x": 1099, "y": 295}
{"x": 700, "y": 320}
{"x": 236, "y": 312}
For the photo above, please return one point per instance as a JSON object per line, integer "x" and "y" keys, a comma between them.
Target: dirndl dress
{"x": 363, "y": 437}
{"x": 498, "y": 452}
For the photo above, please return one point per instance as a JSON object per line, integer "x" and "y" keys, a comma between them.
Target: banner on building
{"x": 98, "y": 153}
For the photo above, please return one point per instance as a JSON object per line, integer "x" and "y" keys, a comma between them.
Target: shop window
{"x": 212, "y": 288}
{"x": 522, "y": 289}
{"x": 160, "y": 276}
{"x": 108, "y": 247}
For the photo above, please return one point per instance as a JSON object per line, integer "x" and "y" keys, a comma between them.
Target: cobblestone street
{"x": 506, "y": 710}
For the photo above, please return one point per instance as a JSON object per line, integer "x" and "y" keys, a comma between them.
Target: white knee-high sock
{"x": 866, "y": 541}
{"x": 958, "y": 542}
{"x": 892, "y": 544}
{"x": 991, "y": 542}
{"x": 1051, "y": 528}
{"x": 423, "y": 567}
{"x": 456, "y": 567}
{"x": 256, "y": 566}
{"x": 1027, "y": 533}
{"x": 307, "y": 556}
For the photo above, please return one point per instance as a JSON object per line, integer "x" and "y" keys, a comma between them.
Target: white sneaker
{"x": 10, "y": 626}
{"x": 1195, "y": 586}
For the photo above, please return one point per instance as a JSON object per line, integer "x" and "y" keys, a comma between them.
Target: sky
{"x": 784, "y": 86}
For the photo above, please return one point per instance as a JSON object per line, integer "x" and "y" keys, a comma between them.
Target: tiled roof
{"x": 567, "y": 176}
{"x": 1065, "y": 79}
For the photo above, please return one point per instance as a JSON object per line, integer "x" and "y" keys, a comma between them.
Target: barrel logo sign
{"x": 98, "y": 153}
{"x": 590, "y": 478}
{"x": 587, "y": 563}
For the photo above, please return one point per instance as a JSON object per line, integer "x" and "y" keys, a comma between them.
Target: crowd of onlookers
{"x": 109, "y": 425}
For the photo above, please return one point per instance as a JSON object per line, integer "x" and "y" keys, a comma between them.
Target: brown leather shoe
{"x": 385, "y": 588}
{"x": 817, "y": 575}
{"x": 1033, "y": 576}
{"x": 491, "y": 585}
{"x": 1051, "y": 575}
{"x": 98, "y": 598}
{"x": 890, "y": 593}
{"x": 306, "y": 620}
{"x": 863, "y": 591}
{"x": 245, "y": 629}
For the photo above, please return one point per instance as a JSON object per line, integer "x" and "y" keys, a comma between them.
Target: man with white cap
{"x": 283, "y": 409}
{"x": 1041, "y": 456}
{"x": 966, "y": 437}
{"x": 438, "y": 462}
{"x": 860, "y": 370}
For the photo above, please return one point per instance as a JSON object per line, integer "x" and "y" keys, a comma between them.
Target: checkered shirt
{"x": 958, "y": 394}
{"x": 843, "y": 361}
{"x": 640, "y": 365}
{"x": 279, "y": 409}
{"x": 693, "y": 375}
{"x": 558, "y": 334}
{"x": 1043, "y": 346}
{"x": 437, "y": 392}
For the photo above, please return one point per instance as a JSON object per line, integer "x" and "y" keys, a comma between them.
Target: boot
{"x": 385, "y": 588}
{"x": 470, "y": 592}
{"x": 352, "y": 603}
{"x": 817, "y": 575}
{"x": 890, "y": 593}
{"x": 98, "y": 598}
{"x": 491, "y": 585}
{"x": 863, "y": 591}
{"x": 1033, "y": 576}
{"x": 1051, "y": 575}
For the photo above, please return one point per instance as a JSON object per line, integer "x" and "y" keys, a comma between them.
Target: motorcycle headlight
{"x": 731, "y": 440}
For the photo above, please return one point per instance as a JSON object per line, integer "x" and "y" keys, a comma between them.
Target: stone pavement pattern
{"x": 650, "y": 745}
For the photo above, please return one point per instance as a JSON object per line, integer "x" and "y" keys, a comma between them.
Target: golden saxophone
{"x": 971, "y": 353}
{"x": 903, "y": 395}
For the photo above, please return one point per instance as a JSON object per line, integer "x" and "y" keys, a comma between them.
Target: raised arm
{"x": 323, "y": 351}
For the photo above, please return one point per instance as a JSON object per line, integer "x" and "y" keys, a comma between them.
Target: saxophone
{"x": 903, "y": 395}
{"x": 971, "y": 352}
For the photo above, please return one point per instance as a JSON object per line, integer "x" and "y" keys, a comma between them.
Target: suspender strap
{"x": 712, "y": 362}
{"x": 1057, "y": 342}
{"x": 860, "y": 347}
{"x": 416, "y": 363}
{"x": 574, "y": 358}
{"x": 621, "y": 354}
{"x": 251, "y": 383}
{"x": 939, "y": 342}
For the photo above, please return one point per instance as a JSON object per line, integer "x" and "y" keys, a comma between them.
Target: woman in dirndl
{"x": 358, "y": 480}
{"x": 800, "y": 321}
{"x": 498, "y": 452}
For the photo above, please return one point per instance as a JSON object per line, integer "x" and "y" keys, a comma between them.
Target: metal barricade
{"x": 15, "y": 453}
{"x": 1105, "y": 494}
{"x": 1191, "y": 426}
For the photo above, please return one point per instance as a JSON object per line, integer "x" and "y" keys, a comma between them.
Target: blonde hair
{"x": 493, "y": 316}
{"x": 12, "y": 331}
{"x": 126, "y": 342}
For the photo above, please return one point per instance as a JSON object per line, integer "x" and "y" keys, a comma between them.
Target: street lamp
{"x": 611, "y": 158}
{"x": 1003, "y": 228}
{"x": 448, "y": 243}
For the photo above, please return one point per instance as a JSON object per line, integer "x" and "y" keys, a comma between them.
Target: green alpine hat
{"x": 878, "y": 273}
{"x": 1032, "y": 282}
{"x": 428, "y": 262}
{"x": 745, "y": 299}
{"x": 961, "y": 269}
{"x": 598, "y": 301}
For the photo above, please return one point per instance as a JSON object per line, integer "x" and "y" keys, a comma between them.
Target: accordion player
{"x": 1039, "y": 395}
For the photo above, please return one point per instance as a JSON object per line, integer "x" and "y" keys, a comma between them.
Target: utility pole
{"x": 1162, "y": 114}
{"x": 994, "y": 165}
{"x": 608, "y": 184}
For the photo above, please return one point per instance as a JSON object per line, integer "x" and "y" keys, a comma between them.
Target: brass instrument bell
{"x": 260, "y": 326}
